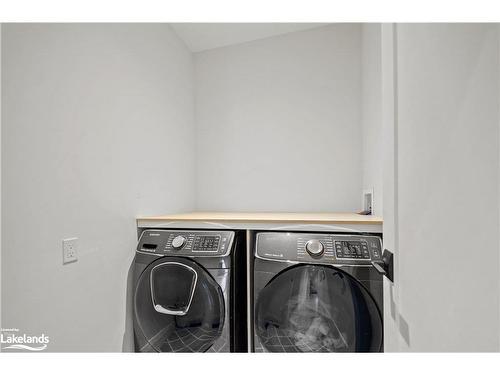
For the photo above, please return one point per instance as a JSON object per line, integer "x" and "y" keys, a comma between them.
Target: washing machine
{"x": 317, "y": 292}
{"x": 187, "y": 296}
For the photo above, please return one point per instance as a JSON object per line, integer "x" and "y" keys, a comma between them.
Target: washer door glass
{"x": 316, "y": 308}
{"x": 178, "y": 306}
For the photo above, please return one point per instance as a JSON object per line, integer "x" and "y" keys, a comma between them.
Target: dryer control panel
{"x": 185, "y": 243}
{"x": 319, "y": 247}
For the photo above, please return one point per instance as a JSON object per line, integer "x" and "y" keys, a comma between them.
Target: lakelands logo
{"x": 11, "y": 339}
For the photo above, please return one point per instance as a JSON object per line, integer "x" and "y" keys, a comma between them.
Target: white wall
{"x": 97, "y": 128}
{"x": 447, "y": 282}
{"x": 0, "y": 176}
{"x": 278, "y": 123}
{"x": 204, "y": 36}
{"x": 389, "y": 173}
{"x": 371, "y": 112}
{"x": 498, "y": 38}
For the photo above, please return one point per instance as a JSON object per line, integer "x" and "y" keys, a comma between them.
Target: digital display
{"x": 206, "y": 243}
{"x": 352, "y": 249}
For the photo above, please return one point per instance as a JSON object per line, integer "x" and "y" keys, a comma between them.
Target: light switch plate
{"x": 70, "y": 250}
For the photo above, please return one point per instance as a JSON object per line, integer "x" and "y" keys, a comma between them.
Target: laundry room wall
{"x": 279, "y": 124}
{"x": 446, "y": 292}
{"x": 0, "y": 175}
{"x": 371, "y": 113}
{"x": 97, "y": 128}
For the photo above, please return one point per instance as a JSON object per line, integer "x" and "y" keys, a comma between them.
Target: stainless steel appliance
{"x": 186, "y": 297}
{"x": 317, "y": 292}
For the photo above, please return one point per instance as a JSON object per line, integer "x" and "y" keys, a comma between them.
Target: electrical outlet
{"x": 70, "y": 250}
{"x": 368, "y": 201}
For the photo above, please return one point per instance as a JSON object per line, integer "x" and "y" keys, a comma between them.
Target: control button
{"x": 178, "y": 242}
{"x": 314, "y": 247}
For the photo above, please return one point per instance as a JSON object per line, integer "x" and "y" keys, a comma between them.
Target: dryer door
{"x": 178, "y": 306}
{"x": 317, "y": 308}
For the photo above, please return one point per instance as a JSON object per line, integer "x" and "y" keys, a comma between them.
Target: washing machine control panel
{"x": 185, "y": 243}
{"x": 319, "y": 247}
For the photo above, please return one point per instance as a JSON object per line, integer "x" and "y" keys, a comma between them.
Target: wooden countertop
{"x": 269, "y": 217}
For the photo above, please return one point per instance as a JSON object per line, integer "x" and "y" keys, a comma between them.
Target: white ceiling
{"x": 202, "y": 36}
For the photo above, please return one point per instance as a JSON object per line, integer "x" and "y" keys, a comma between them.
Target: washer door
{"x": 316, "y": 308}
{"x": 178, "y": 306}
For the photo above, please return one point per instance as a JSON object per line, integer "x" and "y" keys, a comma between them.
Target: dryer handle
{"x": 385, "y": 266}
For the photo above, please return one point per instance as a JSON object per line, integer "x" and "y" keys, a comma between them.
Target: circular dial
{"x": 178, "y": 242}
{"x": 315, "y": 247}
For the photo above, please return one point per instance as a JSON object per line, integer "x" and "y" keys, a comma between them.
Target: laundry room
{"x": 250, "y": 187}
{"x": 138, "y": 120}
